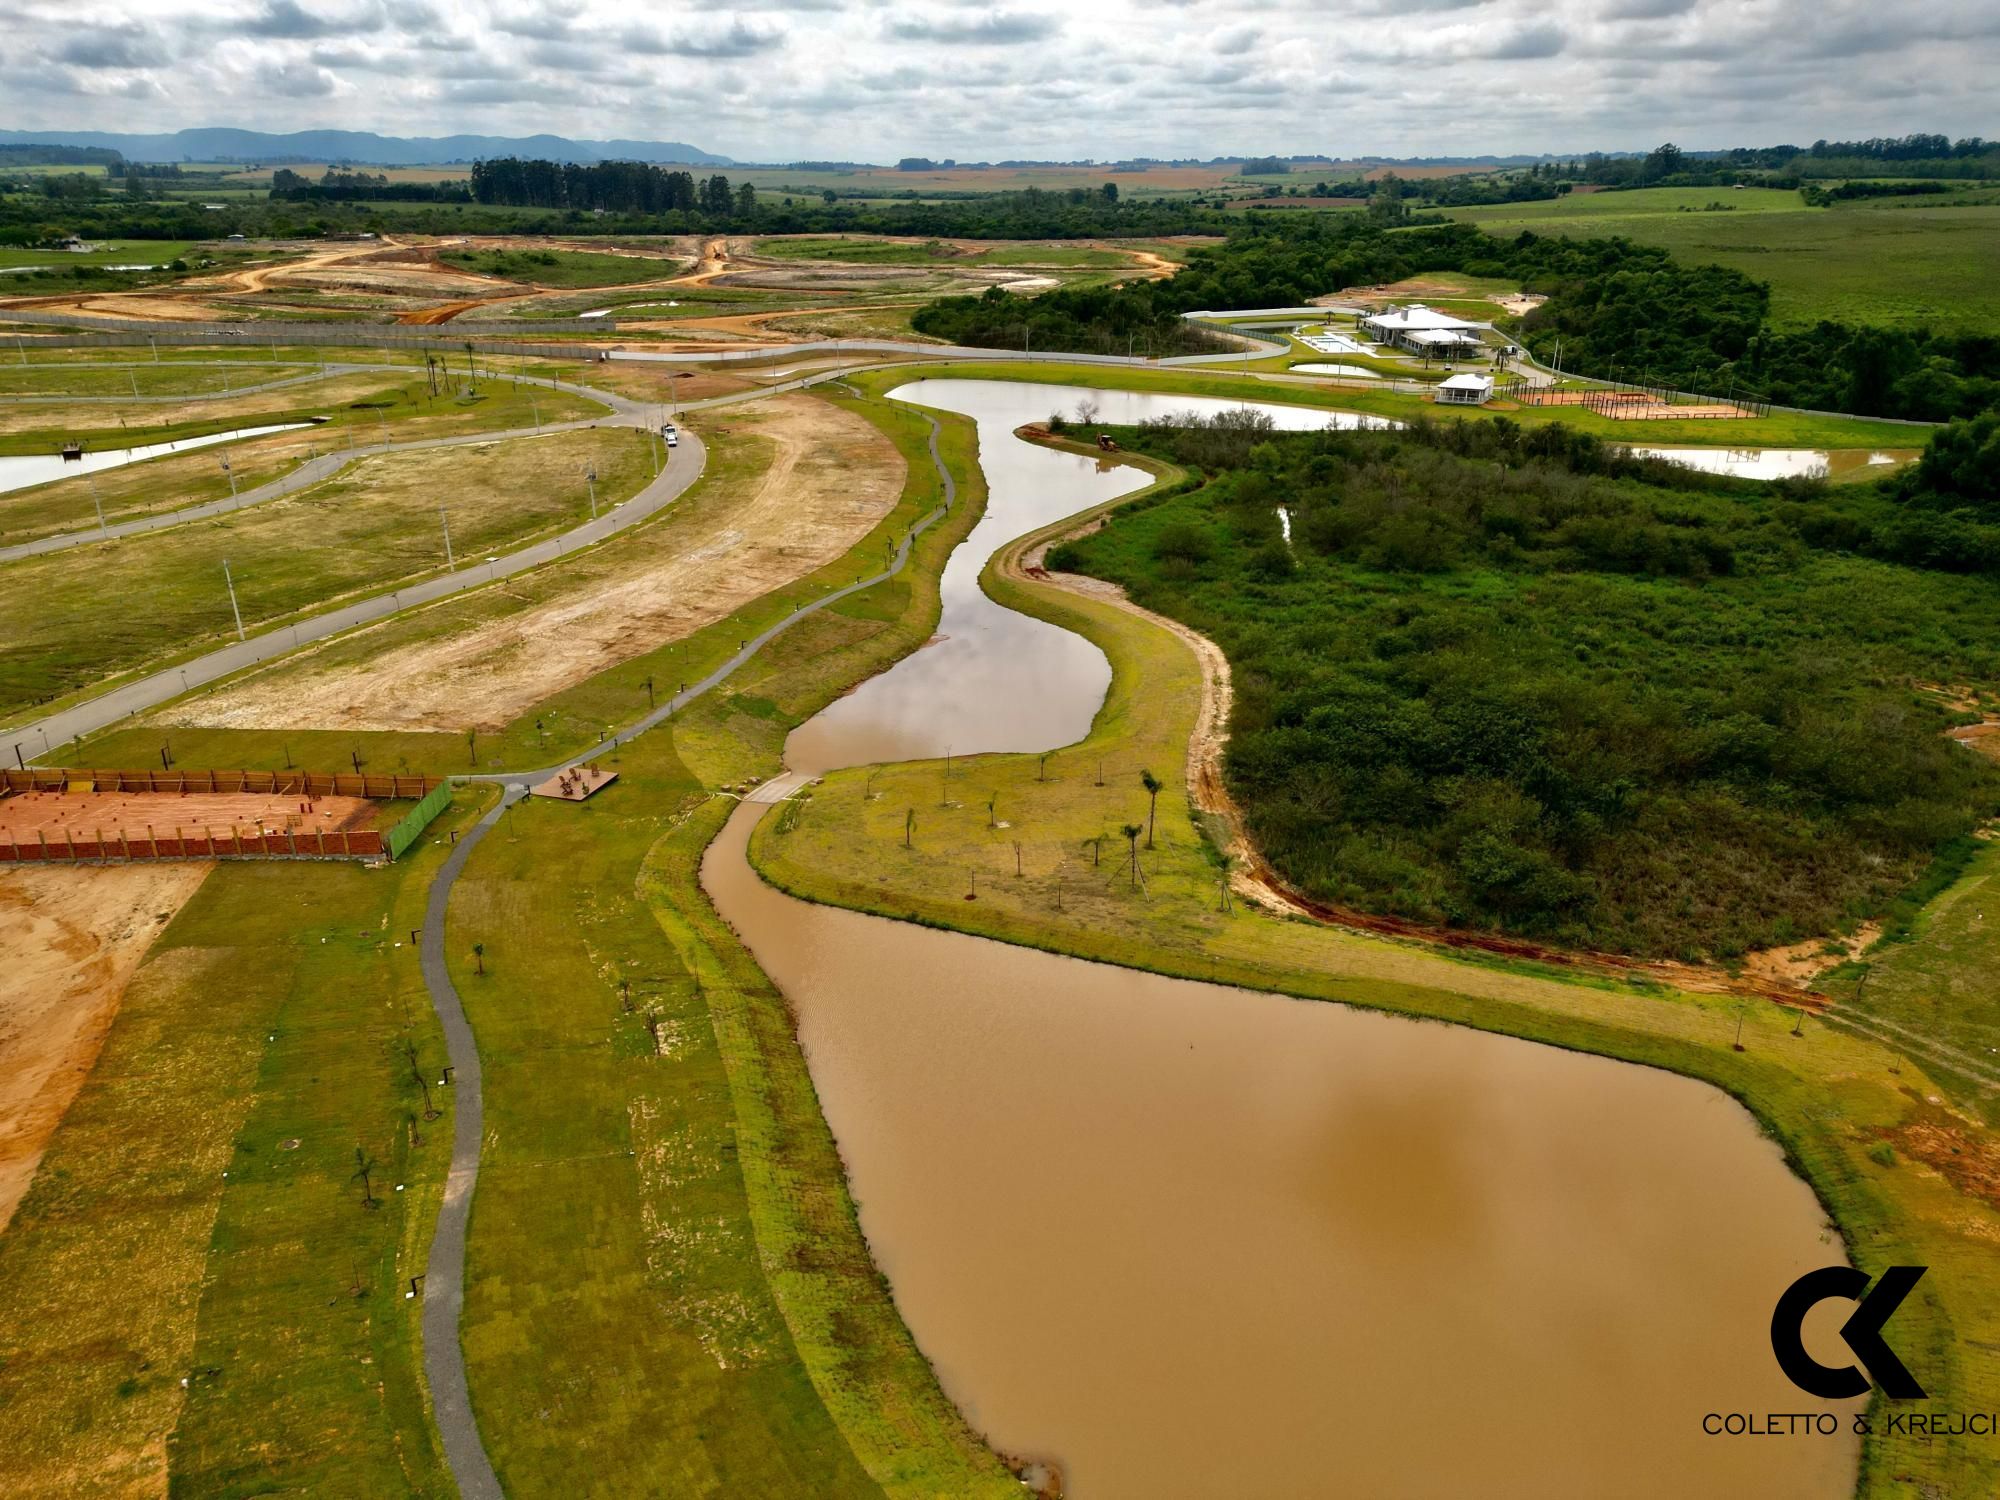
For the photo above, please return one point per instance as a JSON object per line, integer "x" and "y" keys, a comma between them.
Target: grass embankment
{"x": 137, "y": 377}
{"x": 1885, "y": 263}
{"x": 665, "y": 1272}
{"x": 1828, "y": 1097}
{"x": 1931, "y": 988}
{"x": 77, "y": 617}
{"x": 197, "y": 1219}
{"x": 1777, "y": 430}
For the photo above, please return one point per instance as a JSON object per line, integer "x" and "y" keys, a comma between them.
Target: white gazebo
{"x": 1465, "y": 390}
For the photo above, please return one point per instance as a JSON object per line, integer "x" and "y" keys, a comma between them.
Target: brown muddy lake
{"x": 1183, "y": 1240}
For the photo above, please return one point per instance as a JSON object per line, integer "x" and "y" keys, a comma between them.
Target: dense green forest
{"x": 1620, "y": 311}
{"x": 1512, "y": 679}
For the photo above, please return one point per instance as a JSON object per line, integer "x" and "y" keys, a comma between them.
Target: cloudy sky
{"x": 863, "y": 79}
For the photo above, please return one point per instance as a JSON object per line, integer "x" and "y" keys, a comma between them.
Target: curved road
{"x": 624, "y": 413}
{"x": 40, "y": 737}
{"x": 444, "y": 1276}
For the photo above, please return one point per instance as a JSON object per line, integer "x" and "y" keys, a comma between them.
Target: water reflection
{"x": 23, "y": 471}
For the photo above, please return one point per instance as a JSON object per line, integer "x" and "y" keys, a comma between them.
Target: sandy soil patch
{"x": 73, "y": 938}
{"x": 831, "y": 477}
{"x": 1796, "y": 965}
{"x": 1983, "y": 737}
{"x": 1518, "y": 303}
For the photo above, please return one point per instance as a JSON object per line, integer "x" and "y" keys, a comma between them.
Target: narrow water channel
{"x": 1189, "y": 1241}
{"x": 25, "y": 470}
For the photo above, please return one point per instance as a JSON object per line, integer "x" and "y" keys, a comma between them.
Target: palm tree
{"x": 1152, "y": 784}
{"x": 1132, "y": 832}
{"x": 479, "y": 956}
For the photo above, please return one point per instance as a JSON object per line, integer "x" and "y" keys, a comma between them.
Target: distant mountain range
{"x": 361, "y": 147}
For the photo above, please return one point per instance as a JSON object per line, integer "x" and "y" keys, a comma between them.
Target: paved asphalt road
{"x": 43, "y": 737}
{"x": 444, "y": 1276}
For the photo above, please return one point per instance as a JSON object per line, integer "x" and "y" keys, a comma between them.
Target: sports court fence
{"x": 279, "y": 783}
{"x": 411, "y": 828}
{"x": 68, "y": 845}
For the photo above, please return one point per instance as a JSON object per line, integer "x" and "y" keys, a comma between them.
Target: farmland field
{"x": 1883, "y": 263}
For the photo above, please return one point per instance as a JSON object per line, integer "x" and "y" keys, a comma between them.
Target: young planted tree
{"x": 1132, "y": 832}
{"x": 1152, "y": 784}
{"x": 909, "y": 822}
{"x": 364, "y": 1171}
{"x": 479, "y": 957}
{"x": 423, "y": 1083}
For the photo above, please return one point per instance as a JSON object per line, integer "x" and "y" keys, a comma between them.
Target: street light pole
{"x": 590, "y": 478}
{"x": 95, "y": 499}
{"x": 229, "y": 474}
{"x": 230, "y": 583}
{"x": 451, "y": 563}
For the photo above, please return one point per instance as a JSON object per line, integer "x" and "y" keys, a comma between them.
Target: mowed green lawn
{"x": 138, "y": 376}
{"x": 1878, "y": 263}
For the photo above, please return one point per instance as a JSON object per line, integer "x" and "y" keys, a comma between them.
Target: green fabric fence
{"x": 411, "y": 828}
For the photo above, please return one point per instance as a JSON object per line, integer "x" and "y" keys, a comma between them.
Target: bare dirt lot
{"x": 72, "y": 937}
{"x": 828, "y": 478}
{"x": 27, "y": 816}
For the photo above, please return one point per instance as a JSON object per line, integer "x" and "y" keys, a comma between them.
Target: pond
{"x": 1182, "y": 1240}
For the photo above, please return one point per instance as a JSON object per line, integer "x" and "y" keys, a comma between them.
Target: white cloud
{"x": 878, "y": 79}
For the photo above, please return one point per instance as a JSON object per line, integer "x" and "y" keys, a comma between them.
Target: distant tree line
{"x": 712, "y": 203}
{"x": 337, "y": 185}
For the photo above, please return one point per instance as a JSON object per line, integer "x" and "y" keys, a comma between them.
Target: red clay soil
{"x": 25, "y": 816}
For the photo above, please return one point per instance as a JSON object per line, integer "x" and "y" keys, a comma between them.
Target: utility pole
{"x": 230, "y": 583}
{"x": 450, "y": 562}
{"x": 590, "y": 478}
